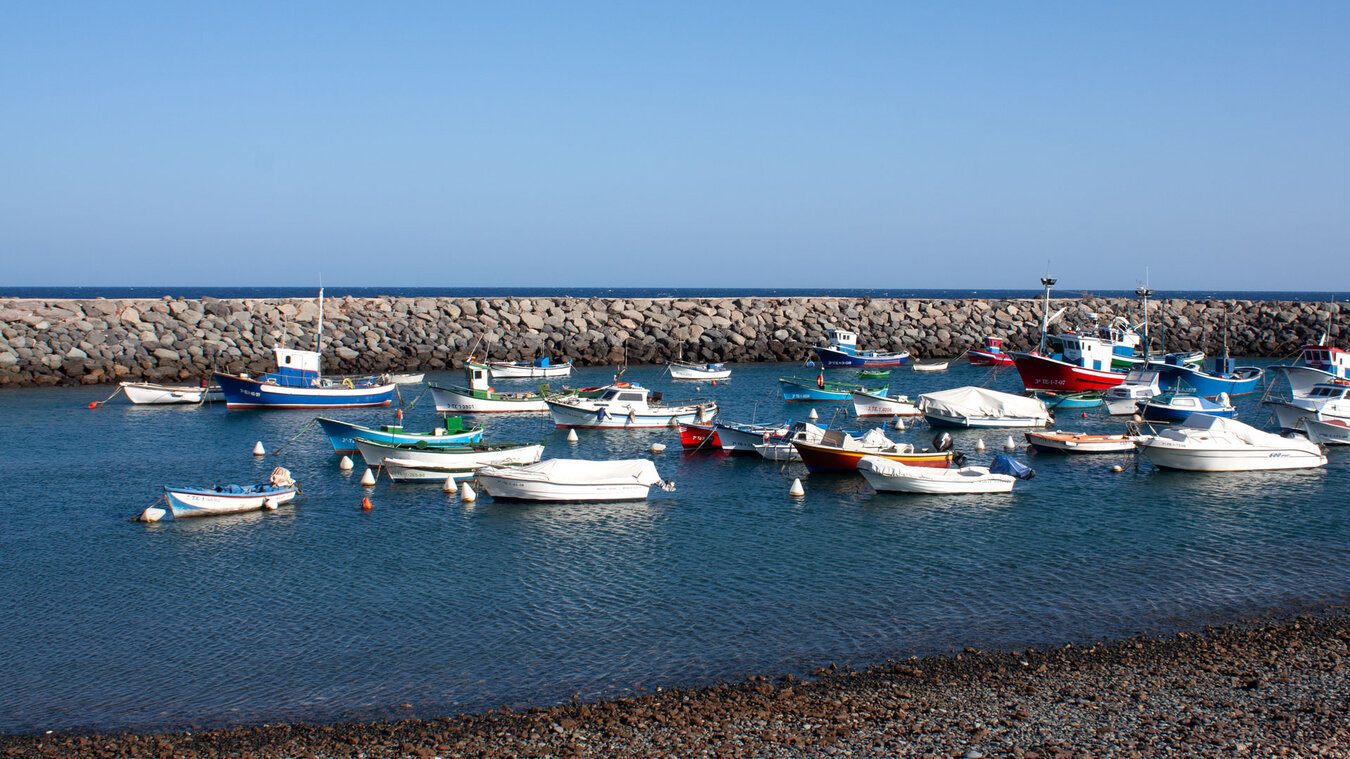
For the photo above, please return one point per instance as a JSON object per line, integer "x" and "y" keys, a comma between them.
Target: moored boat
{"x": 1079, "y": 442}
{"x": 991, "y": 354}
{"x": 1177, "y": 405}
{"x": 1085, "y": 364}
{"x": 874, "y": 373}
{"x": 540, "y": 368}
{"x": 576, "y": 480}
{"x": 1140, "y": 385}
{"x": 879, "y": 404}
{"x": 1325, "y": 432}
{"x": 1320, "y": 364}
{"x": 980, "y": 407}
{"x": 1057, "y": 401}
{"x": 681, "y": 370}
{"x": 699, "y": 437}
{"x": 343, "y": 435}
{"x": 930, "y": 366}
{"x": 1224, "y": 376}
{"x": 1323, "y": 402}
{"x": 741, "y": 437}
{"x": 627, "y": 405}
{"x": 403, "y": 470}
{"x": 154, "y": 394}
{"x": 838, "y": 451}
{"x": 458, "y": 457}
{"x": 820, "y": 390}
{"x": 480, "y": 398}
{"x": 1205, "y": 443}
{"x": 889, "y": 476}
{"x": 183, "y": 502}
{"x": 843, "y": 351}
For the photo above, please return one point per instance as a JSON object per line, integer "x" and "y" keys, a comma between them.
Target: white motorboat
{"x": 455, "y": 458}
{"x": 739, "y": 437}
{"x": 183, "y": 502}
{"x": 1321, "y": 364}
{"x": 1139, "y": 386}
{"x": 1329, "y": 432}
{"x": 866, "y": 403}
{"x": 1205, "y": 443}
{"x": 682, "y": 370}
{"x": 930, "y": 366}
{"x": 980, "y": 407}
{"x": 573, "y": 480}
{"x": 152, "y": 394}
{"x": 1322, "y": 402}
{"x": 1079, "y": 442}
{"x": 540, "y": 368}
{"x": 626, "y": 405}
{"x": 894, "y": 477}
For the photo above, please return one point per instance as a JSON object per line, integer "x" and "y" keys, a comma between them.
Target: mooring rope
{"x": 298, "y": 434}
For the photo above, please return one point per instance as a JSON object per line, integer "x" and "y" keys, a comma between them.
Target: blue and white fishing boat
{"x": 183, "y": 502}
{"x": 1224, "y": 376}
{"x": 343, "y": 435}
{"x": 1319, "y": 364}
{"x": 843, "y": 351}
{"x": 299, "y": 383}
{"x": 1178, "y": 405}
{"x": 796, "y": 389}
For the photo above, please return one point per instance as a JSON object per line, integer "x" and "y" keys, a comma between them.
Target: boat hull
{"x": 448, "y": 459}
{"x": 700, "y": 437}
{"x": 976, "y": 422}
{"x": 565, "y": 415}
{"x": 979, "y": 482}
{"x": 1229, "y": 460}
{"x": 800, "y": 391}
{"x": 1331, "y": 432}
{"x": 683, "y": 373}
{"x": 506, "y": 489}
{"x": 151, "y": 394}
{"x": 186, "y": 503}
{"x": 1209, "y": 385}
{"x": 1057, "y": 442}
{"x": 529, "y": 371}
{"x": 1302, "y": 379}
{"x": 1043, "y": 373}
{"x": 451, "y": 400}
{"x": 343, "y": 436}
{"x": 820, "y": 458}
{"x": 935, "y": 366}
{"x": 409, "y": 473}
{"x": 832, "y": 357}
{"x": 741, "y": 438}
{"x": 246, "y": 393}
{"x": 984, "y": 358}
{"x": 870, "y": 404}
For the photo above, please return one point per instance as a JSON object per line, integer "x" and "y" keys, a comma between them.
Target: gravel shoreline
{"x": 1264, "y": 688}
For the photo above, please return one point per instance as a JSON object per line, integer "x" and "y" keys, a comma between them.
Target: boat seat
{"x": 833, "y": 438}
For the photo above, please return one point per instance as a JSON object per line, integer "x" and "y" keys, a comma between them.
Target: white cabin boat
{"x": 1321, "y": 364}
{"x": 1139, "y": 386}
{"x": 980, "y": 407}
{"x": 1330, "y": 432}
{"x": 894, "y": 477}
{"x": 1205, "y": 443}
{"x": 152, "y": 394}
{"x": 627, "y": 405}
{"x": 681, "y": 370}
{"x": 1323, "y": 402}
{"x": 573, "y": 480}
{"x": 880, "y": 404}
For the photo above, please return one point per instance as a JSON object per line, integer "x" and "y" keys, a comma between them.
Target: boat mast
{"x": 1144, "y": 292}
{"x": 318, "y": 335}
{"x": 1048, "y": 282}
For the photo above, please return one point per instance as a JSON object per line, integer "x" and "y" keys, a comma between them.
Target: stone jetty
{"x": 49, "y": 342}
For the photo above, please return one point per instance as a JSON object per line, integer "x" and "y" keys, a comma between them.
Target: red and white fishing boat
{"x": 991, "y": 355}
{"x": 695, "y": 437}
{"x": 1085, "y": 365}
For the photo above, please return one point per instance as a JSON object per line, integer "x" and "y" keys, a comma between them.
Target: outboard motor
{"x": 942, "y": 441}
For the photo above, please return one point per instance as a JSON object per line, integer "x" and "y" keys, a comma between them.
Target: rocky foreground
{"x": 51, "y": 342}
{"x": 1269, "y": 689}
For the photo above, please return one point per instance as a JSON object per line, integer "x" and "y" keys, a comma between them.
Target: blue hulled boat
{"x": 1178, "y": 405}
{"x": 343, "y": 435}
{"x": 1224, "y": 376}
{"x": 843, "y": 351}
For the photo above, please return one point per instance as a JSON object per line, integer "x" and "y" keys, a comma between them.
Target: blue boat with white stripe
{"x": 343, "y": 435}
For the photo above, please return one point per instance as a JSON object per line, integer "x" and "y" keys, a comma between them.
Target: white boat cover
{"x": 1204, "y": 430}
{"x": 980, "y": 403}
{"x": 888, "y": 468}
{"x": 582, "y": 472}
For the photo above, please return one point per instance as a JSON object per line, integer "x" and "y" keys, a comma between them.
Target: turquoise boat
{"x": 1087, "y": 399}
{"x": 799, "y": 389}
{"x": 343, "y": 435}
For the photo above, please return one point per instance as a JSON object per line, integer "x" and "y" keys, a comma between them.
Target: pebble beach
{"x": 1274, "y": 687}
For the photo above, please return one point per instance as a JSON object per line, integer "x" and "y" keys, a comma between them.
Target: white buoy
{"x": 155, "y": 514}
{"x": 572, "y": 436}
{"x": 449, "y": 485}
{"x": 979, "y": 444}
{"x": 345, "y": 464}
{"x": 812, "y": 416}
{"x": 898, "y": 424}
{"x": 797, "y": 491}
{"x": 1010, "y": 444}
{"x": 657, "y": 447}
{"x": 258, "y": 449}
{"x": 466, "y": 493}
{"x": 1117, "y": 468}
{"x": 368, "y": 478}
{"x": 269, "y": 504}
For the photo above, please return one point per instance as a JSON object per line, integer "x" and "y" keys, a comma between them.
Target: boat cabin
{"x": 1333, "y": 361}
{"x": 1087, "y": 352}
{"x": 477, "y": 376}
{"x": 1328, "y": 392}
{"x": 843, "y": 341}
{"x": 1122, "y": 341}
{"x": 993, "y": 344}
{"x": 295, "y": 368}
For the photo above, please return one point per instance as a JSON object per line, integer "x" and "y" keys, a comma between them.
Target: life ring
{"x": 347, "y": 382}
{"x": 622, "y": 384}
{"x": 820, "y": 380}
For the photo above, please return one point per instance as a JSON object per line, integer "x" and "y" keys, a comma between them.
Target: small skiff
{"x": 895, "y": 477}
{"x": 1079, "y": 442}
{"x": 184, "y": 502}
{"x": 540, "y": 368}
{"x": 407, "y": 379}
{"x": 879, "y": 404}
{"x": 931, "y": 366}
{"x": 151, "y": 394}
{"x": 680, "y": 370}
{"x": 1325, "y": 431}
{"x": 456, "y": 457}
{"x": 402, "y": 470}
{"x": 573, "y": 480}
{"x": 343, "y": 435}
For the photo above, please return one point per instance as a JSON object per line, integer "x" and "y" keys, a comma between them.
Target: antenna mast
{"x": 1049, "y": 282}
{"x": 1144, "y": 292}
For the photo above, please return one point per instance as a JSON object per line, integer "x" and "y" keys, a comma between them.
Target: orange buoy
{"x": 1085, "y": 415}
{"x": 93, "y": 404}
{"x": 398, "y": 414}
{"x": 365, "y": 504}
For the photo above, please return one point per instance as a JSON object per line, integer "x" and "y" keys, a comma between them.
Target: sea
{"x": 427, "y": 605}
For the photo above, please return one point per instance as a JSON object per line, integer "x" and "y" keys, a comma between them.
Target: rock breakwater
{"x": 48, "y": 342}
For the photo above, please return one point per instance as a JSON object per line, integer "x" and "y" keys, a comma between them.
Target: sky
{"x": 680, "y": 144}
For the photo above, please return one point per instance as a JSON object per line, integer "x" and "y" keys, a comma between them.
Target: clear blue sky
{"x": 775, "y": 144}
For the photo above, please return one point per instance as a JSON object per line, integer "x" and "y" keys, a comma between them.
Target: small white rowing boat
{"x": 931, "y": 366}
{"x": 152, "y": 394}
{"x": 894, "y": 477}
{"x": 407, "y": 379}
{"x": 1079, "y": 442}
{"x": 572, "y": 480}
{"x": 682, "y": 370}
{"x": 183, "y": 502}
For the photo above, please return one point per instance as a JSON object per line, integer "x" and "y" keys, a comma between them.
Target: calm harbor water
{"x": 320, "y": 611}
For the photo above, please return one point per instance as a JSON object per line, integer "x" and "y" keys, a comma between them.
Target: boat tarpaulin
{"x": 1231, "y": 430}
{"x": 1005, "y": 464}
{"x": 584, "y": 472}
{"x": 980, "y": 403}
